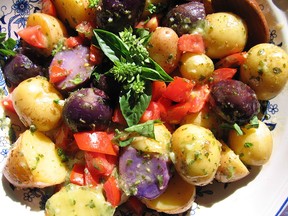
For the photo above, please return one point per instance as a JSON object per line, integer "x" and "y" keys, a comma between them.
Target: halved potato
{"x": 78, "y": 200}
{"x": 231, "y": 167}
{"x": 51, "y": 27}
{"x": 34, "y": 162}
{"x": 177, "y": 198}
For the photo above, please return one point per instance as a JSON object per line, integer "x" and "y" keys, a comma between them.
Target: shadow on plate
{"x": 209, "y": 195}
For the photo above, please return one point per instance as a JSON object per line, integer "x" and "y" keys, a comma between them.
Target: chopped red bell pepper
{"x": 96, "y": 141}
{"x": 112, "y": 191}
{"x": 77, "y": 174}
{"x": 34, "y": 36}
{"x": 179, "y": 89}
{"x": 191, "y": 43}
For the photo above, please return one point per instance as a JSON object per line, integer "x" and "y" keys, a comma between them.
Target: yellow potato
{"x": 265, "y": 70}
{"x": 177, "y": 198}
{"x": 78, "y": 200}
{"x": 161, "y": 143}
{"x": 34, "y": 162}
{"x": 231, "y": 167}
{"x": 254, "y": 147}
{"x": 225, "y": 34}
{"x": 51, "y": 27}
{"x": 74, "y": 12}
{"x": 35, "y": 102}
{"x": 163, "y": 48}
{"x": 195, "y": 153}
{"x": 197, "y": 67}
{"x": 205, "y": 118}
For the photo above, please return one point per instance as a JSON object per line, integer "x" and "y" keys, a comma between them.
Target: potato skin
{"x": 195, "y": 153}
{"x": 177, "y": 198}
{"x": 51, "y": 27}
{"x": 265, "y": 70}
{"x": 28, "y": 160}
{"x": 163, "y": 48}
{"x": 34, "y": 102}
{"x": 197, "y": 67}
{"x": 254, "y": 147}
{"x": 74, "y": 12}
{"x": 225, "y": 34}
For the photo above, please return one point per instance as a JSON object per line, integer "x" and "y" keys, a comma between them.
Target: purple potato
{"x": 183, "y": 18}
{"x": 115, "y": 15}
{"x": 234, "y": 101}
{"x": 76, "y": 61}
{"x": 20, "y": 68}
{"x": 87, "y": 109}
{"x": 143, "y": 175}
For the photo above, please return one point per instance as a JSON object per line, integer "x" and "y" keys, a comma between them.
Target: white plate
{"x": 263, "y": 192}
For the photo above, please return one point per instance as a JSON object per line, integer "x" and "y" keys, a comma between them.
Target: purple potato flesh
{"x": 76, "y": 61}
{"x": 143, "y": 175}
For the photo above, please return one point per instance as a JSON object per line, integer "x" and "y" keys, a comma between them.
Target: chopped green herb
{"x": 248, "y": 145}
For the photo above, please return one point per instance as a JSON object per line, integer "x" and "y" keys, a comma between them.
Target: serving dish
{"x": 263, "y": 192}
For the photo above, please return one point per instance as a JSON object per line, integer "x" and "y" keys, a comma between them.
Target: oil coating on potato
{"x": 34, "y": 162}
{"x": 265, "y": 70}
{"x": 74, "y": 12}
{"x": 35, "y": 102}
{"x": 225, "y": 34}
{"x": 231, "y": 167}
{"x": 197, "y": 67}
{"x": 177, "y": 198}
{"x": 161, "y": 143}
{"x": 195, "y": 153}
{"x": 51, "y": 27}
{"x": 254, "y": 147}
{"x": 163, "y": 48}
{"x": 78, "y": 200}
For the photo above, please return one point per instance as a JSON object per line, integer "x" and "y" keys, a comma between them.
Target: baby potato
{"x": 163, "y": 48}
{"x": 177, "y": 198}
{"x": 33, "y": 161}
{"x": 197, "y": 67}
{"x": 51, "y": 27}
{"x": 195, "y": 153}
{"x": 225, "y": 34}
{"x": 205, "y": 118}
{"x": 254, "y": 147}
{"x": 35, "y": 102}
{"x": 265, "y": 70}
{"x": 74, "y": 12}
{"x": 231, "y": 167}
{"x": 78, "y": 200}
{"x": 161, "y": 143}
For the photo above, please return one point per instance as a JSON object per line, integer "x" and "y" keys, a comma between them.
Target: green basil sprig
{"x": 133, "y": 68}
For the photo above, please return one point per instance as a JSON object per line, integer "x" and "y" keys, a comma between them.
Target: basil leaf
{"x": 125, "y": 143}
{"x": 112, "y": 46}
{"x": 133, "y": 109}
{"x": 145, "y": 129}
{"x": 152, "y": 74}
{"x": 165, "y": 77}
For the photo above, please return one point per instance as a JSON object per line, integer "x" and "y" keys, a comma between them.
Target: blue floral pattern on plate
{"x": 13, "y": 16}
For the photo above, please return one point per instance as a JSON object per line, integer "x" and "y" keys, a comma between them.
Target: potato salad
{"x": 135, "y": 104}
